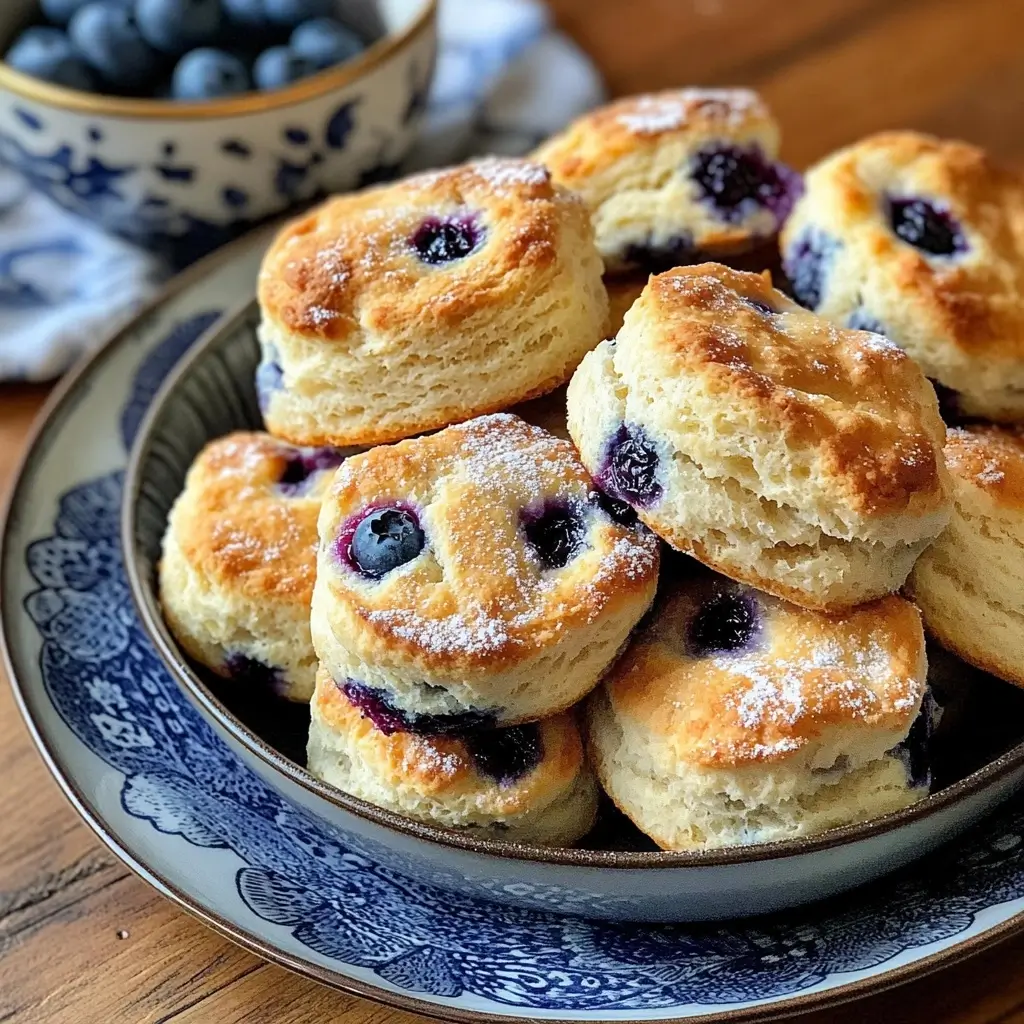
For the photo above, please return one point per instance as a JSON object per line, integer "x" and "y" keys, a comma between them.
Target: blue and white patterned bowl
{"x": 163, "y": 789}
{"x": 211, "y": 393}
{"x": 182, "y": 178}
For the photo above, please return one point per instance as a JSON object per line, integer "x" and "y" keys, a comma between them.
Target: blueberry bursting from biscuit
{"x": 630, "y": 469}
{"x": 736, "y": 181}
{"x": 446, "y": 239}
{"x": 382, "y": 540}
{"x": 503, "y": 755}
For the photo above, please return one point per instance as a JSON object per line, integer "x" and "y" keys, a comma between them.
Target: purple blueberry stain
{"x": 375, "y": 704}
{"x": 725, "y": 623}
{"x": 629, "y": 470}
{"x": 555, "y": 531}
{"x": 737, "y": 181}
{"x": 302, "y": 465}
{"x": 446, "y": 239}
{"x": 380, "y": 539}
{"x": 806, "y": 265}
{"x": 926, "y": 226}
{"x": 915, "y": 751}
{"x": 506, "y": 755}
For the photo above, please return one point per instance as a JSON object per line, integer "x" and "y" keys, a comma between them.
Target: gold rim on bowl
{"x": 146, "y": 604}
{"x": 250, "y": 103}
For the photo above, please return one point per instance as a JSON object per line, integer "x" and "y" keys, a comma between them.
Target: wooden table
{"x": 82, "y": 941}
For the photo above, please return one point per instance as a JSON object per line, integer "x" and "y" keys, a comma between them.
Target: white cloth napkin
{"x": 505, "y": 80}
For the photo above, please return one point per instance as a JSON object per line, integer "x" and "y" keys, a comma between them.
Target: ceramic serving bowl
{"x": 184, "y": 177}
{"x": 978, "y": 752}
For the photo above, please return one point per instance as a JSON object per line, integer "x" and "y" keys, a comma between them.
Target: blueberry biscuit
{"x": 676, "y": 177}
{"x": 736, "y": 718}
{"x": 239, "y": 560}
{"x": 922, "y": 240}
{"x": 527, "y": 783}
{"x": 970, "y": 583}
{"x": 475, "y": 577}
{"x": 782, "y": 451}
{"x": 402, "y": 309}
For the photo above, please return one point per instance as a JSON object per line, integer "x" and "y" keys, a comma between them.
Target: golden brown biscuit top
{"x": 448, "y": 767}
{"x": 990, "y": 459}
{"x": 247, "y": 516}
{"x": 602, "y": 137}
{"x": 973, "y": 298}
{"x": 799, "y": 676}
{"x": 853, "y": 396}
{"x": 480, "y": 593}
{"x": 351, "y": 266}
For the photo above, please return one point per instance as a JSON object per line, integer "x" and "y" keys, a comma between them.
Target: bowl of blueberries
{"x": 179, "y": 124}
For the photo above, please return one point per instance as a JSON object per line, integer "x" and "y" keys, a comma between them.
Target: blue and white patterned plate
{"x": 155, "y": 782}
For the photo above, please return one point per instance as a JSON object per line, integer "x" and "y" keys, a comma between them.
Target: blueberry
{"x": 555, "y": 532}
{"x": 206, "y": 73}
{"x": 293, "y": 12}
{"x": 442, "y": 240}
{"x": 175, "y": 26}
{"x": 630, "y": 469}
{"x": 325, "y": 42}
{"x": 385, "y": 539}
{"x": 280, "y": 66}
{"x": 806, "y": 265}
{"x": 106, "y": 36}
{"x": 60, "y": 12}
{"x": 676, "y": 251}
{"x": 389, "y": 719}
{"x": 249, "y": 14}
{"x": 725, "y": 623}
{"x": 47, "y": 53}
{"x": 926, "y": 227}
{"x": 303, "y": 464}
{"x": 506, "y": 754}
{"x": 737, "y": 181}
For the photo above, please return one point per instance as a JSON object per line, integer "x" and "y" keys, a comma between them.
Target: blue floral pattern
{"x": 346, "y": 901}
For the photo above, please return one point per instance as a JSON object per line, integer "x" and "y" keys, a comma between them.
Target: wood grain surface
{"x": 82, "y": 941}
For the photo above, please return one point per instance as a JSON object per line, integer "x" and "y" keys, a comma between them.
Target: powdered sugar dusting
{"x": 990, "y": 473}
{"x": 493, "y": 587}
{"x": 504, "y": 174}
{"x": 653, "y": 115}
{"x": 829, "y": 678}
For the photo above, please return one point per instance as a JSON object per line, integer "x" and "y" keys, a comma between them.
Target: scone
{"x": 475, "y": 576}
{"x": 239, "y": 559}
{"x": 970, "y": 583}
{"x": 402, "y": 309}
{"x": 528, "y": 783}
{"x": 736, "y": 718}
{"x": 781, "y": 451}
{"x": 922, "y": 240}
{"x": 676, "y": 177}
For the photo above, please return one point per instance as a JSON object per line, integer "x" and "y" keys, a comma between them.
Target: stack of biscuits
{"x": 678, "y": 579}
